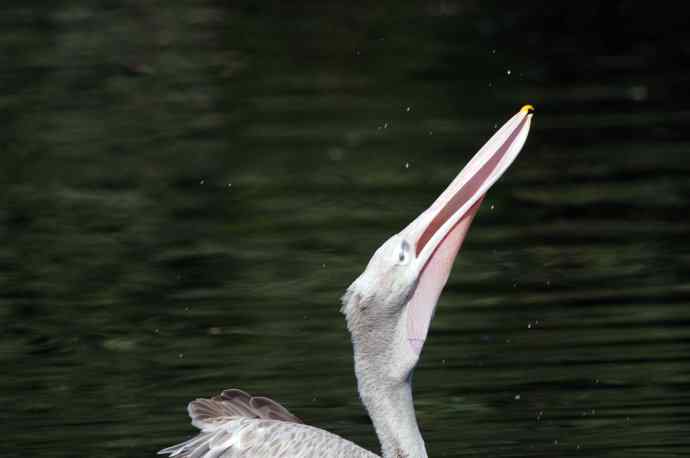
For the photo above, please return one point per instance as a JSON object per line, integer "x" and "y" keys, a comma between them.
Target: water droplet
{"x": 336, "y": 153}
{"x": 638, "y": 93}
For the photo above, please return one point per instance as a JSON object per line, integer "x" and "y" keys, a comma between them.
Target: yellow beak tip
{"x": 529, "y": 109}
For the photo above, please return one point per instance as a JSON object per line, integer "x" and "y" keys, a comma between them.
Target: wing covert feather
{"x": 237, "y": 425}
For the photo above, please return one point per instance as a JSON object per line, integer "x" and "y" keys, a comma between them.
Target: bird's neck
{"x": 391, "y": 409}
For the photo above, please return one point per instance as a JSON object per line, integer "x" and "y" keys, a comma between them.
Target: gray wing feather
{"x": 236, "y": 403}
{"x": 235, "y": 424}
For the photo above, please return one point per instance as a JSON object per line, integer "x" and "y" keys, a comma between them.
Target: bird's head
{"x": 389, "y": 307}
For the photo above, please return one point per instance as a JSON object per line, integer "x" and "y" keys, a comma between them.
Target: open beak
{"x": 438, "y": 232}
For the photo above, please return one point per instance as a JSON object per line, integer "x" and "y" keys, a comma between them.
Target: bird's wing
{"x": 236, "y": 403}
{"x": 235, "y": 424}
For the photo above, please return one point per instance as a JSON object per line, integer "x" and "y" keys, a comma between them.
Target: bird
{"x": 388, "y": 310}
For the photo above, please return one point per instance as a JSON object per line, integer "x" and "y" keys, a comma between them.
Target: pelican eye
{"x": 404, "y": 253}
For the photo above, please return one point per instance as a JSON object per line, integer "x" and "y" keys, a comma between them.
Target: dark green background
{"x": 188, "y": 187}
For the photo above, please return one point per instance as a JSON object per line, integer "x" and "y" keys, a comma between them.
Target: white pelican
{"x": 388, "y": 309}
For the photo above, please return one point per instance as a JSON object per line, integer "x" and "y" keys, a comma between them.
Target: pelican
{"x": 388, "y": 310}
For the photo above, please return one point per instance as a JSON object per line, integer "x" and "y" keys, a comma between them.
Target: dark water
{"x": 188, "y": 187}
